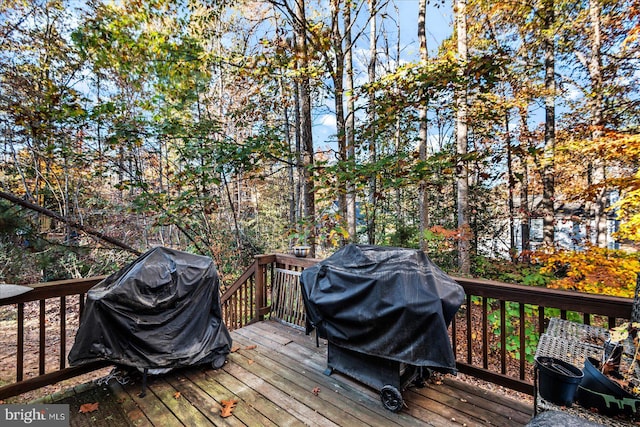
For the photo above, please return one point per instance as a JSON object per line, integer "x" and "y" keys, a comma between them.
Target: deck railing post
{"x": 260, "y": 269}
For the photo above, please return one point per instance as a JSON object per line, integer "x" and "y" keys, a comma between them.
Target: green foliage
{"x": 509, "y": 272}
{"x": 404, "y": 236}
{"x": 512, "y": 325}
{"x": 441, "y": 247}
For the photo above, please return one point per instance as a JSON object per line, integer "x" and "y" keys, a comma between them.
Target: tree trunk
{"x": 371, "y": 69}
{"x": 423, "y": 194}
{"x": 597, "y": 122}
{"x": 350, "y": 125}
{"x": 462, "y": 171}
{"x": 338, "y": 92}
{"x": 548, "y": 161}
{"x": 512, "y": 189}
{"x": 290, "y": 168}
{"x": 524, "y": 188}
{"x": 305, "y": 125}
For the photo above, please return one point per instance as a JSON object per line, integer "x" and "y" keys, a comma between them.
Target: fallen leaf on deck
{"x": 89, "y": 407}
{"x": 250, "y": 362}
{"x": 250, "y": 347}
{"x": 177, "y": 395}
{"x": 227, "y": 407}
{"x": 234, "y": 349}
{"x": 316, "y": 391}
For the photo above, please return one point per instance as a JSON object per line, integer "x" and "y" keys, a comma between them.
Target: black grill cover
{"x": 161, "y": 311}
{"x": 393, "y": 303}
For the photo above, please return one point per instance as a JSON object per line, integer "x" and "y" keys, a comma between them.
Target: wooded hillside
{"x": 201, "y": 125}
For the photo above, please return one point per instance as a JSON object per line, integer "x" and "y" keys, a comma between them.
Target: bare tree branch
{"x": 73, "y": 224}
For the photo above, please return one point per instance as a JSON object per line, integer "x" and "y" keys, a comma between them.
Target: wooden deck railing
{"x": 494, "y": 331}
{"x": 43, "y": 299}
{"x": 493, "y": 335}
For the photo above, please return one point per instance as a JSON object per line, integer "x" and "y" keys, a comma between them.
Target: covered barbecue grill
{"x": 160, "y": 312}
{"x": 385, "y": 314}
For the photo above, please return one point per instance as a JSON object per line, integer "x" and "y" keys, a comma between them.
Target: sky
{"x": 405, "y": 13}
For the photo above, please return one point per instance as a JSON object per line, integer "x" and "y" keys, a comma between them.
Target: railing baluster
{"x": 541, "y": 321}
{"x": 81, "y": 305}
{"x": 63, "y": 332}
{"x": 503, "y": 336}
{"x": 469, "y": 332}
{"x": 20, "y": 349}
{"x": 523, "y": 355}
{"x": 41, "y": 358}
{"x": 454, "y": 337}
{"x": 243, "y": 305}
{"x": 485, "y": 336}
{"x": 236, "y": 316}
{"x": 252, "y": 297}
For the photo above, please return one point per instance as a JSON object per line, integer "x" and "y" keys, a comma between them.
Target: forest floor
{"x": 8, "y": 351}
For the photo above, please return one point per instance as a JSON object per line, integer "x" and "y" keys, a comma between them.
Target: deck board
{"x": 273, "y": 373}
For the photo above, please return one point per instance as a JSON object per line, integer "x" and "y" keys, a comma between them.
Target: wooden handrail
{"x": 566, "y": 300}
{"x": 59, "y": 288}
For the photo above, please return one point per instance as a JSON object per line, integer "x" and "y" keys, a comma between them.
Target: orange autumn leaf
{"x": 250, "y": 362}
{"x": 89, "y": 407}
{"x": 177, "y": 395}
{"x": 234, "y": 349}
{"x": 227, "y": 407}
{"x": 250, "y": 347}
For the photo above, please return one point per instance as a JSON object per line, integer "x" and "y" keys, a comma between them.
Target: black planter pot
{"x": 558, "y": 380}
{"x": 600, "y": 392}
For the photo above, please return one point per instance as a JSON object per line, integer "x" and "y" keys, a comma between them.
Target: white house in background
{"x": 574, "y": 226}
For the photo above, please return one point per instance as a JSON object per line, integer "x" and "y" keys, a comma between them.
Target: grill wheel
{"x": 391, "y": 398}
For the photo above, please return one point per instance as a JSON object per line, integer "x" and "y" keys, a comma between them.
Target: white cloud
{"x": 328, "y": 120}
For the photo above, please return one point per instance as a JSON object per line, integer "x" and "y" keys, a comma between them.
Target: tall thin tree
{"x": 548, "y": 160}
{"x": 464, "y": 259}
{"x": 371, "y": 70}
{"x": 305, "y": 122}
{"x": 423, "y": 194}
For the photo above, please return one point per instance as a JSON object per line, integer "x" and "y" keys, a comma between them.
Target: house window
{"x": 536, "y": 230}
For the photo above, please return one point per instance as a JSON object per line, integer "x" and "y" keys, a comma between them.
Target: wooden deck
{"x": 273, "y": 375}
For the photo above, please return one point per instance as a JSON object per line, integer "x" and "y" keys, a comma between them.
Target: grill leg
{"x": 143, "y": 393}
